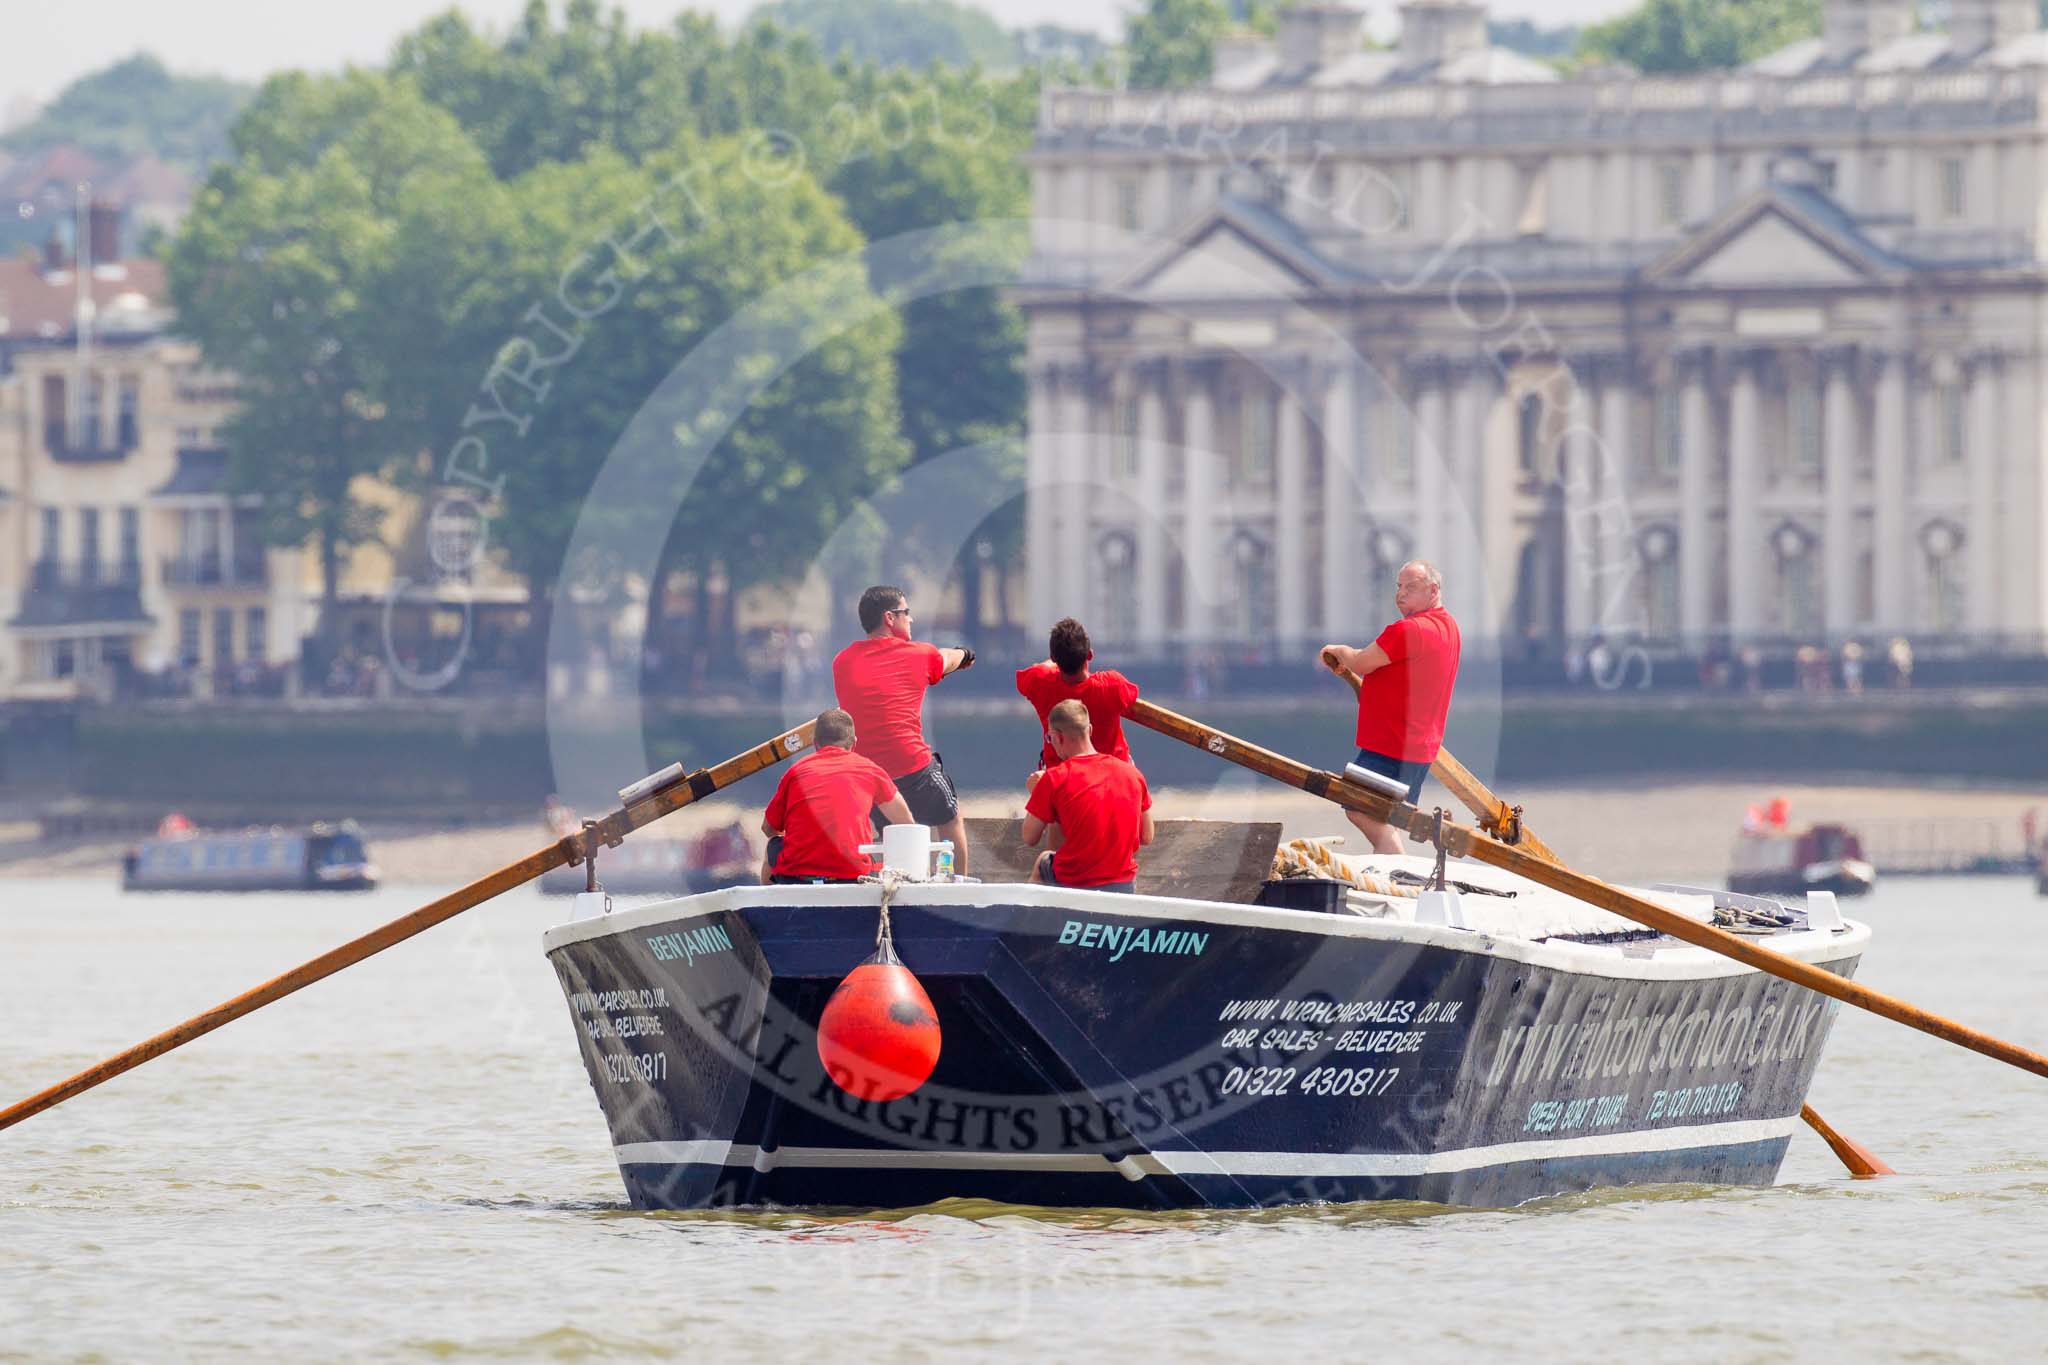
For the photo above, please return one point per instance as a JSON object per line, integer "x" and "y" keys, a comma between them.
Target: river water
{"x": 406, "y": 1161}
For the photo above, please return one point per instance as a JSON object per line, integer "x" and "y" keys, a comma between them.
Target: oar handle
{"x": 1464, "y": 841}
{"x": 570, "y": 849}
{"x": 1494, "y": 815}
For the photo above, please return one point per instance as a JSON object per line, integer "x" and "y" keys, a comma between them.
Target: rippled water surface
{"x": 406, "y": 1161}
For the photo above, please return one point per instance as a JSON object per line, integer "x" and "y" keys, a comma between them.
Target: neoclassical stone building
{"x": 1749, "y": 357}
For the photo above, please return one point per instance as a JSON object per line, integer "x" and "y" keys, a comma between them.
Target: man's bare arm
{"x": 1371, "y": 659}
{"x": 896, "y": 810}
{"x": 1034, "y": 831}
{"x": 956, "y": 659}
{"x": 1146, "y": 829}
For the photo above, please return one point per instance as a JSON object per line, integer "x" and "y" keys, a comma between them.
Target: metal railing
{"x": 1610, "y": 106}
{"x": 215, "y": 571}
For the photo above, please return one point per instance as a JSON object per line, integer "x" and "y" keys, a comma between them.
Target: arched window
{"x": 1800, "y": 607}
{"x": 1529, "y": 433}
{"x": 1942, "y": 544}
{"x": 1252, "y": 609}
{"x": 1117, "y": 611}
{"x": 1659, "y": 550}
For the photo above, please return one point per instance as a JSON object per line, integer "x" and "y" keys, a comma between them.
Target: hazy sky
{"x": 50, "y": 42}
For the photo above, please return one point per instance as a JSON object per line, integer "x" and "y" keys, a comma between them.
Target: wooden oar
{"x": 1495, "y": 816}
{"x": 1461, "y": 841}
{"x": 1505, "y": 823}
{"x": 642, "y": 803}
{"x": 1861, "y": 1161}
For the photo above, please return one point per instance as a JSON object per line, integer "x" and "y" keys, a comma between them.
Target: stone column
{"x": 1077, "y": 493}
{"x": 1495, "y": 550}
{"x": 1582, "y": 457}
{"x": 1695, "y": 491}
{"x": 2024, "y": 523}
{"x": 1745, "y": 513}
{"x": 1987, "y": 408}
{"x": 1042, "y": 478}
{"x": 1615, "y": 595}
{"x": 1892, "y": 545}
{"x": 1432, "y": 446}
{"x": 1198, "y": 530}
{"x": 1461, "y": 551}
{"x": 1153, "y": 539}
{"x": 1292, "y": 526}
{"x": 1343, "y": 528}
{"x": 1838, "y": 496}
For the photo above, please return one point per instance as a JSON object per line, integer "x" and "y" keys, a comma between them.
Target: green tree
{"x": 1684, "y": 36}
{"x": 960, "y": 373}
{"x": 1532, "y": 39}
{"x": 1172, "y": 43}
{"x": 909, "y": 33}
{"x": 134, "y": 108}
{"x": 299, "y": 270}
{"x": 553, "y": 92}
{"x": 813, "y": 440}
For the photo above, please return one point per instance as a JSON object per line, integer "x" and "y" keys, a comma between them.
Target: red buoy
{"x": 879, "y": 1035}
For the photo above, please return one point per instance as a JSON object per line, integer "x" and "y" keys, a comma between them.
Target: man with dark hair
{"x": 1405, "y": 696}
{"x": 818, "y": 818}
{"x": 1065, "y": 677}
{"x": 1100, "y": 803}
{"x": 881, "y": 682}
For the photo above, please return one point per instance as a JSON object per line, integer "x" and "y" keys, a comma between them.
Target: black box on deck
{"x": 1321, "y": 894}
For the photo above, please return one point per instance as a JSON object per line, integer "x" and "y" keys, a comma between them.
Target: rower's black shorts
{"x": 1400, "y": 769}
{"x": 929, "y": 794}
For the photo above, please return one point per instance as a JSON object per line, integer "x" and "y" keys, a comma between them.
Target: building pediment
{"x": 1782, "y": 235}
{"x": 1235, "y": 250}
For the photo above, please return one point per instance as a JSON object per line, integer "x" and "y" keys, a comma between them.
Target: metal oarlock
{"x": 1437, "y": 837}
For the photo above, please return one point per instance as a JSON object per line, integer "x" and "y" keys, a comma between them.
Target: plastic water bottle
{"x": 942, "y": 866}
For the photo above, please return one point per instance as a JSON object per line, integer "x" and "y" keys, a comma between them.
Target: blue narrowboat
{"x": 319, "y": 858}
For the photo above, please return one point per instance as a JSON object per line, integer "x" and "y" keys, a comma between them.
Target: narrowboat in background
{"x": 1772, "y": 858}
{"x": 321, "y": 857}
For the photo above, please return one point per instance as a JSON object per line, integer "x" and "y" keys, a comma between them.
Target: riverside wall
{"x": 463, "y": 763}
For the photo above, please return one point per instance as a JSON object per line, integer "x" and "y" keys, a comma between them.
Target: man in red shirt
{"x": 1407, "y": 674}
{"x": 1065, "y": 677}
{"x": 881, "y": 682}
{"x": 1101, "y": 804}
{"x": 818, "y": 818}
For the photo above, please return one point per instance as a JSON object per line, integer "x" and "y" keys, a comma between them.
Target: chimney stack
{"x": 1439, "y": 30}
{"x": 1854, "y": 26}
{"x": 1314, "y": 36}
{"x": 1974, "y": 25}
{"x": 103, "y": 232}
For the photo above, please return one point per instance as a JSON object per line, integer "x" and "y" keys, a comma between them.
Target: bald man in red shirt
{"x": 1405, "y": 695}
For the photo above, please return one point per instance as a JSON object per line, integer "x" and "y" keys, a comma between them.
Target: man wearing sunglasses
{"x": 881, "y": 682}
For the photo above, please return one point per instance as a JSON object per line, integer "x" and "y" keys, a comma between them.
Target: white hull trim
{"x": 1141, "y": 1164}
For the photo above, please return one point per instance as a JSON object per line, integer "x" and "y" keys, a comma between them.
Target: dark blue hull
{"x": 1123, "y": 1051}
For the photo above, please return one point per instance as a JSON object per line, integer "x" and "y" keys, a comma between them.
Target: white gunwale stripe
{"x": 710, "y": 1153}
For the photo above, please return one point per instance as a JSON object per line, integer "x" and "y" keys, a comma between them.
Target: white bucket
{"x": 908, "y": 849}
